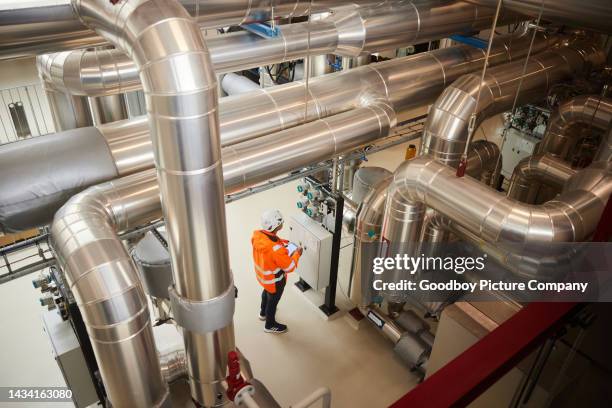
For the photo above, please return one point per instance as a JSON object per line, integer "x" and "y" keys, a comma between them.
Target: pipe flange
{"x": 203, "y": 316}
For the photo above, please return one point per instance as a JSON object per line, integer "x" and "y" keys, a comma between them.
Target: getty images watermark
{"x": 415, "y": 268}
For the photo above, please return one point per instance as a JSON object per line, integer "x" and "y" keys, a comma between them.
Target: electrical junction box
{"x": 70, "y": 359}
{"x": 317, "y": 243}
{"x": 516, "y": 147}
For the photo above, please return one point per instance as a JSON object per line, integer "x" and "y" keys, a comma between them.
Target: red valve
{"x": 461, "y": 168}
{"x": 235, "y": 382}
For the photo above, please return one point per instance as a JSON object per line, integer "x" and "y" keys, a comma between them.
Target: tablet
{"x": 291, "y": 248}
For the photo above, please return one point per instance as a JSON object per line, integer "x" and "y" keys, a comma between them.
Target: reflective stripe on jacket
{"x": 271, "y": 259}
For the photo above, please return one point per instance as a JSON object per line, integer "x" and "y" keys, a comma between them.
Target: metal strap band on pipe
{"x": 203, "y": 316}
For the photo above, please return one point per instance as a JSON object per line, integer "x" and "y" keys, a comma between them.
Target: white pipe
{"x": 234, "y": 84}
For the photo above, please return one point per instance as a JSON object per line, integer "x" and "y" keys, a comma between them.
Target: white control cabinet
{"x": 317, "y": 243}
{"x": 516, "y": 147}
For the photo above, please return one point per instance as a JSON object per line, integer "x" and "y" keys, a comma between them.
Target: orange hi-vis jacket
{"x": 271, "y": 258}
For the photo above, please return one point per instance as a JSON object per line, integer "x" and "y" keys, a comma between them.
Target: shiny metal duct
{"x": 351, "y": 31}
{"x": 483, "y": 160}
{"x": 108, "y": 109}
{"x": 410, "y": 82}
{"x": 42, "y": 26}
{"x": 84, "y": 234}
{"x": 181, "y": 92}
{"x": 593, "y": 14}
{"x": 587, "y": 110}
{"x": 446, "y": 130}
{"x": 495, "y": 218}
{"x": 258, "y": 160}
{"x": 365, "y": 243}
{"x": 531, "y": 171}
{"x": 107, "y": 287}
{"x": 100, "y": 157}
{"x": 67, "y": 111}
{"x": 365, "y": 179}
{"x": 368, "y": 229}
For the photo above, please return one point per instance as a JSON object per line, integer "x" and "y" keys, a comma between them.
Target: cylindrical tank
{"x": 365, "y": 179}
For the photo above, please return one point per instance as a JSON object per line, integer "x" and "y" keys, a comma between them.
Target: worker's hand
{"x": 300, "y": 250}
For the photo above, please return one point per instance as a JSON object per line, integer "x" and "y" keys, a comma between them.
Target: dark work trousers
{"x": 269, "y": 302}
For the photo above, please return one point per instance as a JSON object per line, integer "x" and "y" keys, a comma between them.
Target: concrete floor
{"x": 358, "y": 366}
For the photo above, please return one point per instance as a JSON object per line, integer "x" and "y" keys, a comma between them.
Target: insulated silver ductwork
{"x": 38, "y": 27}
{"x": 594, "y": 14}
{"x": 587, "y": 110}
{"x": 409, "y": 83}
{"x": 483, "y": 161}
{"x": 108, "y": 109}
{"x": 244, "y": 164}
{"x": 368, "y": 228}
{"x": 492, "y": 217}
{"x": 181, "y": 92}
{"x": 107, "y": 287}
{"x": 531, "y": 171}
{"x": 85, "y": 236}
{"x": 254, "y": 161}
{"x": 446, "y": 130}
{"x": 67, "y": 111}
{"x": 351, "y": 31}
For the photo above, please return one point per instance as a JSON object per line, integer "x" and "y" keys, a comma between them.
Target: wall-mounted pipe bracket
{"x": 469, "y": 40}
{"x": 262, "y": 29}
{"x": 204, "y": 316}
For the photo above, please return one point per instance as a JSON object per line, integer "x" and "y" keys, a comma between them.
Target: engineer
{"x": 273, "y": 261}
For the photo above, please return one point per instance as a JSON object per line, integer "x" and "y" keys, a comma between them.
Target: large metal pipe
{"x": 410, "y": 82}
{"x": 593, "y": 14}
{"x": 446, "y": 130}
{"x": 370, "y": 215}
{"x": 85, "y": 237}
{"x": 67, "y": 111}
{"x": 531, "y": 171}
{"x": 107, "y": 286}
{"x": 108, "y": 109}
{"x": 181, "y": 93}
{"x": 258, "y": 160}
{"x": 588, "y": 110}
{"x": 351, "y": 31}
{"x": 43, "y": 26}
{"x": 495, "y": 218}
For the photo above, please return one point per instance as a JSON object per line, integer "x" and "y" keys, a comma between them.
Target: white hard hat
{"x": 271, "y": 219}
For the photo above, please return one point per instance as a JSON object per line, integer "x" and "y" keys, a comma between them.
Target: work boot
{"x": 276, "y": 328}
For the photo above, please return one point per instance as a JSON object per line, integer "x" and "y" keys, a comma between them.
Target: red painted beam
{"x": 603, "y": 232}
{"x": 475, "y": 370}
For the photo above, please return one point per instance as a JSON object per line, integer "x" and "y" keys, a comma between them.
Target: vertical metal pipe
{"x": 108, "y": 109}
{"x": 107, "y": 286}
{"x": 182, "y": 101}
